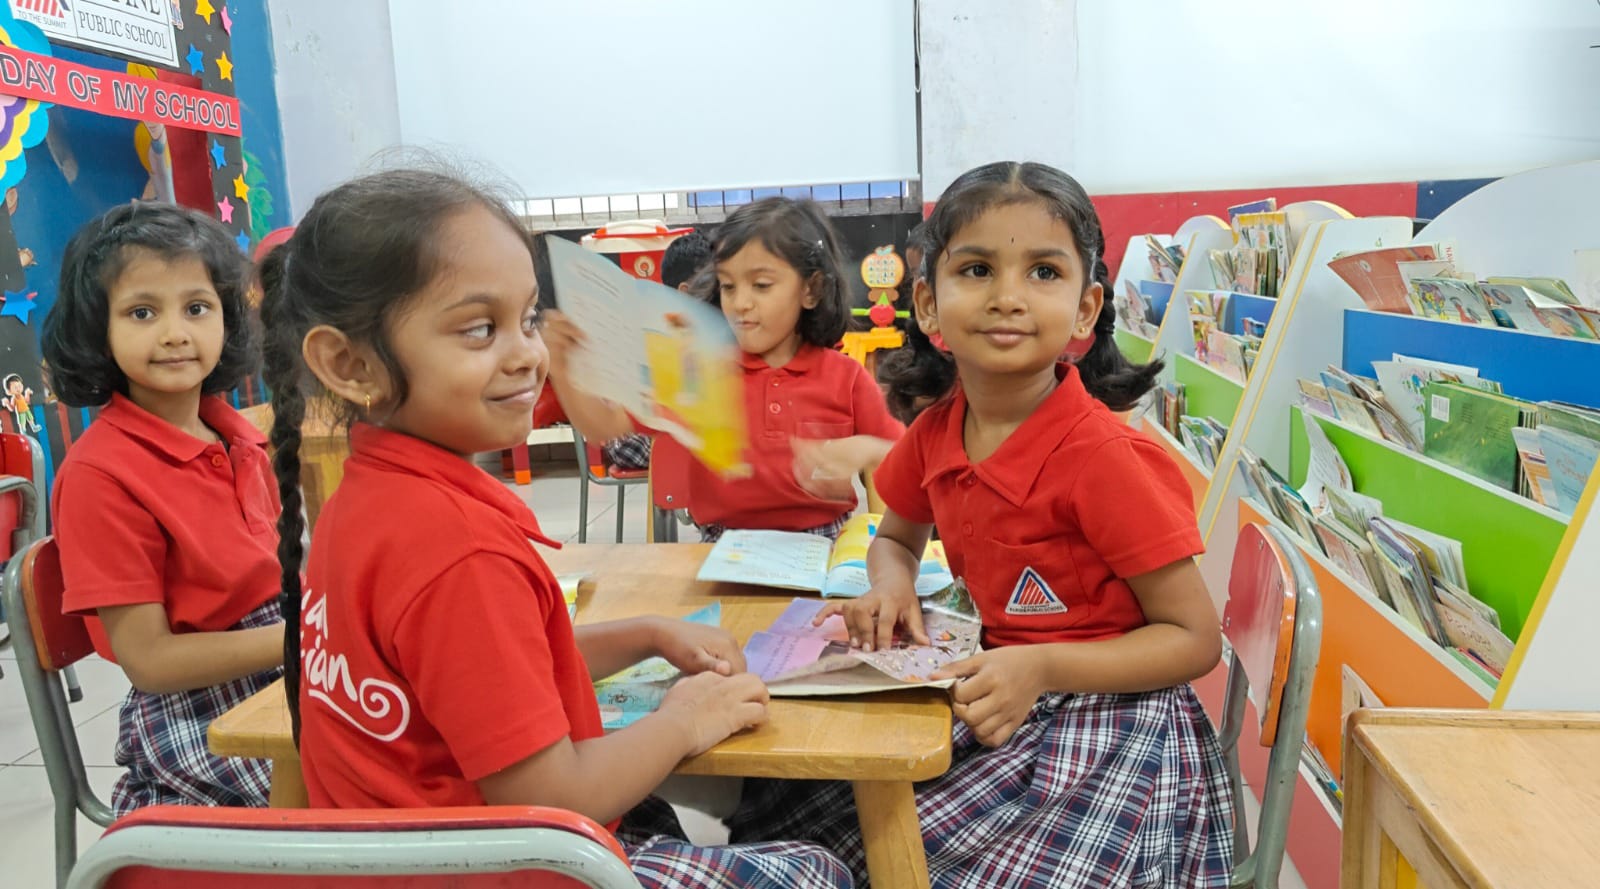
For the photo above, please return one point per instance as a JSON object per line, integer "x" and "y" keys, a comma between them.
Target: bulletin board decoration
{"x": 23, "y": 121}
{"x": 37, "y": 76}
{"x": 882, "y": 270}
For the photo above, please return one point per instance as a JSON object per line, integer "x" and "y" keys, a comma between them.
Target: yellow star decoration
{"x": 204, "y": 9}
{"x": 225, "y": 67}
{"x": 240, "y": 190}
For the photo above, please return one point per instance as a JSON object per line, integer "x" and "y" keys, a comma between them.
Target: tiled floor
{"x": 26, "y": 835}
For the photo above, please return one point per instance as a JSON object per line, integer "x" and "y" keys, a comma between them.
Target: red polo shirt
{"x": 146, "y": 513}
{"x": 435, "y": 646}
{"x": 1045, "y": 530}
{"x": 820, "y": 393}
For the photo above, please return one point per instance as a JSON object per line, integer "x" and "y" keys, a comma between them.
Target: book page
{"x": 787, "y": 560}
{"x": 629, "y": 696}
{"x": 847, "y": 564}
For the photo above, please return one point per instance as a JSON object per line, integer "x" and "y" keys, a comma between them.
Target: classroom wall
{"x": 336, "y": 90}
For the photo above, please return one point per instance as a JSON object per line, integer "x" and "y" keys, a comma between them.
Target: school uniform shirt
{"x": 147, "y": 514}
{"x": 435, "y": 646}
{"x": 1045, "y": 531}
{"x": 819, "y": 394}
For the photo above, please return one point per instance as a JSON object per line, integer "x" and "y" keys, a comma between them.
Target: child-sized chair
{"x": 592, "y": 467}
{"x": 1273, "y": 621}
{"x": 20, "y": 456}
{"x": 48, "y": 642}
{"x": 500, "y": 846}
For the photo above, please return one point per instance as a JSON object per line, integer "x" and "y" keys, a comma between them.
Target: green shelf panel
{"x": 1136, "y": 347}
{"x": 1208, "y": 393}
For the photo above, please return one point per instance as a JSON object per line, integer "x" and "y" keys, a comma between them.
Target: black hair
{"x": 798, "y": 232}
{"x": 6, "y": 383}
{"x": 1106, "y": 372}
{"x": 685, "y": 257}
{"x": 83, "y": 372}
{"x": 355, "y": 263}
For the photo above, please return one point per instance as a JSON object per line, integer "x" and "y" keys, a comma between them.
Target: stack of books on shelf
{"x": 1141, "y": 304}
{"x": 1544, "y": 451}
{"x": 1259, "y": 258}
{"x": 1227, "y": 331}
{"x": 1425, "y": 280}
{"x": 1416, "y": 573}
{"x": 1165, "y": 260}
{"x": 1170, "y": 405}
{"x": 1202, "y": 437}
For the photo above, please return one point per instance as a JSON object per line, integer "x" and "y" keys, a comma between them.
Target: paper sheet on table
{"x": 629, "y": 696}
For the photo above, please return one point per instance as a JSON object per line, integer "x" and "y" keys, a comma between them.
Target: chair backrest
{"x": 669, "y": 478}
{"x": 1259, "y": 620}
{"x": 59, "y": 640}
{"x": 20, "y": 456}
{"x": 501, "y": 846}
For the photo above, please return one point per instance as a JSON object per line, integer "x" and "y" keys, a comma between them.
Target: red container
{"x": 638, "y": 245}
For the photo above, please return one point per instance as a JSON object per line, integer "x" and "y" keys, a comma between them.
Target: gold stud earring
{"x": 368, "y": 397}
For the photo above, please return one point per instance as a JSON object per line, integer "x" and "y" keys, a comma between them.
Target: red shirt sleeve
{"x": 870, "y": 409}
{"x": 899, "y": 477}
{"x": 1135, "y": 508}
{"x": 487, "y": 686}
{"x": 113, "y": 551}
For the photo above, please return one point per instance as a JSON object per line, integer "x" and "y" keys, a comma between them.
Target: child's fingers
{"x": 828, "y": 610}
{"x": 961, "y": 669}
{"x": 914, "y": 626}
{"x": 862, "y": 622}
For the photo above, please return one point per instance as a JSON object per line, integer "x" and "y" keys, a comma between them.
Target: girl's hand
{"x": 873, "y": 619}
{"x": 826, "y": 468}
{"x": 710, "y": 707}
{"x": 562, "y": 338}
{"x": 995, "y": 691}
{"x": 697, "y": 648}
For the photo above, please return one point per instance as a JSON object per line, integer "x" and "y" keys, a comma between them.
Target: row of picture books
{"x": 1427, "y": 281}
{"x": 1418, "y": 574}
{"x": 1141, "y": 304}
{"x": 1259, "y": 258}
{"x": 1543, "y": 451}
{"x": 1228, "y": 328}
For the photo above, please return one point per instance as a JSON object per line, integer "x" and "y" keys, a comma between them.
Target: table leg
{"x": 288, "y": 786}
{"x": 891, "y": 834}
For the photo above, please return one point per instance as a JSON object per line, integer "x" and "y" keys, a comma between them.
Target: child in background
{"x": 430, "y": 658}
{"x": 1082, "y": 757}
{"x": 816, "y": 419}
{"x": 682, "y": 260}
{"x": 164, "y": 508}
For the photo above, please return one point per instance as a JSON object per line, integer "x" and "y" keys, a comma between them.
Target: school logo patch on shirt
{"x": 1032, "y": 595}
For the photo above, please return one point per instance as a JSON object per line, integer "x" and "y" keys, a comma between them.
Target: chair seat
{"x": 627, "y": 474}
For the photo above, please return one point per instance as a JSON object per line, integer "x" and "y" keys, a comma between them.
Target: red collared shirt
{"x": 820, "y": 393}
{"x": 146, "y": 513}
{"x": 1046, "y": 529}
{"x": 435, "y": 646}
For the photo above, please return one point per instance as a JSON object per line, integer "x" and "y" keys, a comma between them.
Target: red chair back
{"x": 669, "y": 477}
{"x": 61, "y": 640}
{"x": 16, "y": 458}
{"x": 1259, "y": 621}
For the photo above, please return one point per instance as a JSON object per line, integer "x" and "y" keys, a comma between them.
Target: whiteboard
{"x": 628, "y": 96}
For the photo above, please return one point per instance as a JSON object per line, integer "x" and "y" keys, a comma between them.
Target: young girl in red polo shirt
{"x": 431, "y": 661}
{"x": 164, "y": 508}
{"x": 816, "y": 418}
{"x": 1082, "y": 756}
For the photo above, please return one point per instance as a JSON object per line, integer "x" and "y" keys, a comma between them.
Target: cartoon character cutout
{"x": 882, "y": 270}
{"x": 17, "y": 402}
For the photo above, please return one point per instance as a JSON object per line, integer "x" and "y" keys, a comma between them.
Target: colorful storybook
{"x": 791, "y": 560}
{"x": 634, "y": 693}
{"x": 797, "y": 659}
{"x": 668, "y": 359}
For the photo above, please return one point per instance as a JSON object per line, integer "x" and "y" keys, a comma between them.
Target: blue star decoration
{"x": 18, "y": 305}
{"x": 196, "y": 60}
{"x": 218, "y": 155}
{"x": 243, "y": 240}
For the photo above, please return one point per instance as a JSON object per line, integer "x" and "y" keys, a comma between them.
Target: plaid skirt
{"x": 662, "y": 858}
{"x": 1091, "y": 791}
{"x": 162, "y": 742}
{"x": 713, "y": 533}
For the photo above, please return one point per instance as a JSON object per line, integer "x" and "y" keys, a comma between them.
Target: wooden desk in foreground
{"x": 881, "y": 743}
{"x": 1478, "y": 798}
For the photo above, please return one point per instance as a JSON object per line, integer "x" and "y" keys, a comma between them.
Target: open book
{"x": 796, "y": 659}
{"x": 792, "y": 560}
{"x": 634, "y": 693}
{"x": 668, "y": 359}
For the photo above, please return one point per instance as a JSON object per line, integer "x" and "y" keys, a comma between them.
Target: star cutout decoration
{"x": 196, "y": 60}
{"x": 204, "y": 9}
{"x": 227, "y": 21}
{"x": 225, "y": 67}
{"x": 18, "y": 305}
{"x": 240, "y": 190}
{"x": 243, "y": 240}
{"x": 225, "y": 210}
{"x": 219, "y": 156}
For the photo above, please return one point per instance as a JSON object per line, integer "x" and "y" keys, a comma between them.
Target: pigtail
{"x": 916, "y": 371}
{"x": 281, "y": 366}
{"x": 1106, "y": 372}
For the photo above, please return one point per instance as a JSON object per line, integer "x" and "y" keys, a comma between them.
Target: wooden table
{"x": 881, "y": 743}
{"x": 1474, "y": 798}
{"x": 324, "y": 445}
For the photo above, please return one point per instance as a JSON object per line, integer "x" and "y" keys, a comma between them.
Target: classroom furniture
{"x": 21, "y": 456}
{"x": 1471, "y": 798}
{"x": 324, "y": 445}
{"x": 47, "y": 642}
{"x": 1273, "y": 624}
{"x": 669, "y": 493}
{"x": 863, "y": 345}
{"x": 594, "y": 468}
{"x": 177, "y": 846}
{"x": 882, "y": 743}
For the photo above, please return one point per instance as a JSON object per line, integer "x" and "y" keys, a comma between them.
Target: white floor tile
{"x": 27, "y": 833}
{"x": 104, "y": 686}
{"x": 1288, "y": 878}
{"x": 97, "y": 740}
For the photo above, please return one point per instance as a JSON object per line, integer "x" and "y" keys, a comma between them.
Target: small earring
{"x": 368, "y": 397}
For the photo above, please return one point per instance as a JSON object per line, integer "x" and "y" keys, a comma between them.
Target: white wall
{"x": 336, "y": 93}
{"x": 997, "y": 84}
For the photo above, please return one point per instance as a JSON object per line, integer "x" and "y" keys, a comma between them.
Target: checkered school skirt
{"x": 1092, "y": 791}
{"x": 713, "y": 533}
{"x": 162, "y": 743}
{"x": 662, "y": 859}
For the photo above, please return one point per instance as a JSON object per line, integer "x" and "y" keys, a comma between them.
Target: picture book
{"x": 1512, "y": 307}
{"x": 667, "y": 358}
{"x": 1557, "y": 306}
{"x": 629, "y": 696}
{"x": 1375, "y": 277}
{"x": 1425, "y": 268}
{"x": 792, "y": 560}
{"x": 1449, "y": 299}
{"x": 1571, "y": 459}
{"x": 1471, "y": 430}
{"x": 797, "y": 659}
{"x": 1402, "y": 380}
{"x": 1537, "y": 485}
